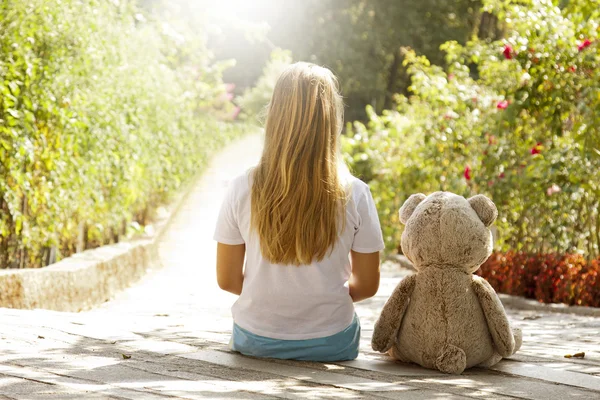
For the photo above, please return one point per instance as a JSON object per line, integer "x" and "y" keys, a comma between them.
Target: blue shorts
{"x": 341, "y": 346}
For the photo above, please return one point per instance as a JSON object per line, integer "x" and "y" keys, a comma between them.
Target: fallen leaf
{"x": 576, "y": 355}
{"x": 41, "y": 337}
{"x": 126, "y": 356}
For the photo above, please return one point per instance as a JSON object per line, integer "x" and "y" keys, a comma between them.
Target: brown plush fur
{"x": 444, "y": 317}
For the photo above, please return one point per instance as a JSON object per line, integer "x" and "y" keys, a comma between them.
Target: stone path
{"x": 166, "y": 338}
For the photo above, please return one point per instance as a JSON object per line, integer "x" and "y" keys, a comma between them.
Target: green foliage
{"x": 103, "y": 115}
{"x": 358, "y": 39}
{"x": 255, "y": 100}
{"x": 516, "y": 119}
{"x": 361, "y": 40}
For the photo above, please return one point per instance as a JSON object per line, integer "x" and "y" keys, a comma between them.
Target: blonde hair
{"x": 298, "y": 200}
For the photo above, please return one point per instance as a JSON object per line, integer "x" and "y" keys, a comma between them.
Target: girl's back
{"x": 307, "y": 231}
{"x": 297, "y": 302}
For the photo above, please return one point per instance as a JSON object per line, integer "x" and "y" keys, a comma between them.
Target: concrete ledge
{"x": 521, "y": 303}
{"x": 89, "y": 278}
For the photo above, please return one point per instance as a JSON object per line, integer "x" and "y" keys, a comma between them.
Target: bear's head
{"x": 447, "y": 231}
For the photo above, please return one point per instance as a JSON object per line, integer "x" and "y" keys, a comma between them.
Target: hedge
{"x": 548, "y": 278}
{"x": 516, "y": 119}
{"x": 104, "y": 113}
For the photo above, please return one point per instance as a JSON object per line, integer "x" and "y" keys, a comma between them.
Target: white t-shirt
{"x": 297, "y": 302}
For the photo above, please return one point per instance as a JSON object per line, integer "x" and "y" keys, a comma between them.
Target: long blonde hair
{"x": 298, "y": 200}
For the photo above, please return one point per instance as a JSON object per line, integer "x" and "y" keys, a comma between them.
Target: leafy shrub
{"x": 548, "y": 278}
{"x": 254, "y": 101}
{"x": 103, "y": 115}
{"x": 516, "y": 119}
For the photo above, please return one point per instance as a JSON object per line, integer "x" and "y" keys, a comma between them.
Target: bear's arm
{"x": 495, "y": 316}
{"x": 386, "y": 327}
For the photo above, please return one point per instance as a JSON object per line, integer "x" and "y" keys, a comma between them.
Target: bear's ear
{"x": 408, "y": 208}
{"x": 485, "y": 209}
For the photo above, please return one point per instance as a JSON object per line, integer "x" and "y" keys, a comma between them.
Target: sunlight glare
{"x": 236, "y": 8}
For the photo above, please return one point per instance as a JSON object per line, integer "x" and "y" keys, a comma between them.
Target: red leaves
{"x": 508, "y": 52}
{"x": 585, "y": 44}
{"x": 549, "y": 278}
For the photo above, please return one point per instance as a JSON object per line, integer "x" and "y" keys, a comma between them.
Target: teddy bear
{"x": 443, "y": 317}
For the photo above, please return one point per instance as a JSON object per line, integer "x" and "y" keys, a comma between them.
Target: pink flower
{"x": 229, "y": 96}
{"x": 491, "y": 139}
{"x": 508, "y": 52}
{"x": 502, "y": 105}
{"x": 553, "y": 189}
{"x": 229, "y": 87}
{"x": 586, "y": 43}
{"x": 467, "y": 173}
{"x": 537, "y": 149}
{"x": 236, "y": 112}
{"x": 450, "y": 77}
{"x": 451, "y": 115}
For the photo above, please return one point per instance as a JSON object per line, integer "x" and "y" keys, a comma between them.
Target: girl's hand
{"x": 364, "y": 280}
{"x": 230, "y": 267}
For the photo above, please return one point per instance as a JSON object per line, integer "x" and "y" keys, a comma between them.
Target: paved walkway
{"x": 166, "y": 338}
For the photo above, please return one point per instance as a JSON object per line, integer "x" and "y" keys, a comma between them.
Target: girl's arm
{"x": 364, "y": 280}
{"x": 230, "y": 267}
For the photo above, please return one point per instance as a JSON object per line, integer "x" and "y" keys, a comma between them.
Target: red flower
{"x": 501, "y": 176}
{"x": 467, "y": 173}
{"x": 573, "y": 68}
{"x": 537, "y": 149}
{"x": 584, "y": 44}
{"x": 502, "y": 105}
{"x": 508, "y": 52}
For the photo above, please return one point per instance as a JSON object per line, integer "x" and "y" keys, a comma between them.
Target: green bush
{"x": 104, "y": 113}
{"x": 515, "y": 119}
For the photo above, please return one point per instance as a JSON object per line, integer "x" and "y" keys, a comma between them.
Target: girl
{"x": 309, "y": 232}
